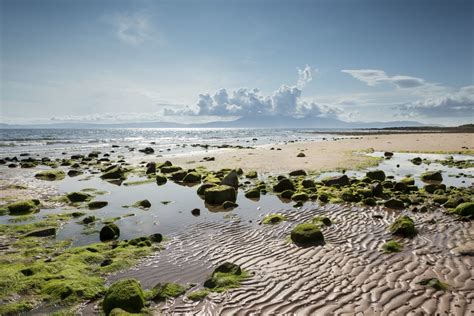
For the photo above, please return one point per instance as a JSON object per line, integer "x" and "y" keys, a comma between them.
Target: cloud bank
{"x": 374, "y": 77}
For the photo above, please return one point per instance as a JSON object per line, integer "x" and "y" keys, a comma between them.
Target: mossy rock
{"x": 204, "y": 187}
{"x": 349, "y": 196}
{"x": 287, "y": 194}
{"x": 231, "y": 179}
{"x": 125, "y": 294}
{"x": 300, "y": 196}
{"x": 109, "y": 232}
{"x": 192, "y": 177}
{"x": 308, "y": 183}
{"x": 416, "y": 161}
{"x": 252, "y": 193}
{"x": 370, "y": 201}
{"x": 23, "y": 207}
{"x": 408, "y": 181}
{"x": 226, "y": 276}
{"x": 283, "y": 185}
{"x": 376, "y": 175}
{"x": 431, "y": 176}
{"x": 142, "y": 204}
{"x": 161, "y": 179}
{"x": 114, "y": 172}
{"x": 365, "y": 192}
{"x": 403, "y": 226}
{"x": 434, "y": 283}
{"x": 178, "y": 175}
{"x": 307, "y": 234}
{"x": 78, "y": 197}
{"x": 440, "y": 199}
{"x": 392, "y": 246}
{"x": 217, "y": 195}
{"x": 322, "y": 220}
{"x": 251, "y": 174}
{"x": 169, "y": 169}
{"x": 297, "y": 173}
{"x": 50, "y": 175}
{"x": 273, "y": 219}
{"x": 89, "y": 219}
{"x": 454, "y": 201}
{"x": 164, "y": 291}
{"x": 394, "y": 204}
{"x": 400, "y": 187}
{"x": 229, "y": 204}
{"x": 342, "y": 180}
{"x": 198, "y": 295}
{"x": 323, "y": 197}
{"x": 465, "y": 209}
{"x": 432, "y": 187}
{"x": 94, "y": 205}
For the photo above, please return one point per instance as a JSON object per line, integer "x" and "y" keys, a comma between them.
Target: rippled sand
{"x": 348, "y": 275}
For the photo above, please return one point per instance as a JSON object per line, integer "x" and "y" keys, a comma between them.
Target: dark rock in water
{"x": 300, "y": 196}
{"x": 109, "y": 232}
{"x": 376, "y": 175}
{"x": 403, "y": 226}
{"x": 283, "y": 185}
{"x": 2, "y": 162}
{"x": 287, "y": 194}
{"x": 170, "y": 169}
{"x": 432, "y": 187}
{"x": 216, "y": 195}
{"x": 296, "y": 173}
{"x": 431, "y": 176}
{"x": 301, "y": 155}
{"x": 160, "y": 179}
{"x": 341, "y": 180}
{"x": 150, "y": 168}
{"x": 142, "y": 204}
{"x": 252, "y": 194}
{"x": 204, "y": 187}
{"x": 388, "y": 154}
{"x": 416, "y": 161}
{"x": 178, "y": 175}
{"x": 74, "y": 173}
{"x": 306, "y": 234}
{"x": 94, "y": 205}
{"x": 308, "y": 183}
{"x": 88, "y": 219}
{"x": 400, "y": 187}
{"x": 44, "y": 232}
{"x": 147, "y": 151}
{"x": 50, "y": 175}
{"x": 12, "y": 165}
{"x": 192, "y": 177}
{"x": 157, "y": 237}
{"x": 229, "y": 204}
{"x": 23, "y": 207}
{"x": 78, "y": 196}
{"x": 394, "y": 203}
{"x": 231, "y": 179}
{"x": 196, "y": 212}
{"x": 126, "y": 294}
{"x": 113, "y": 172}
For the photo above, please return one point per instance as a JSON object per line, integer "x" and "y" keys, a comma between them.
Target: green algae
{"x": 392, "y": 246}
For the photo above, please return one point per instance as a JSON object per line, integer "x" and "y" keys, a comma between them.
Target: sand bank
{"x": 327, "y": 155}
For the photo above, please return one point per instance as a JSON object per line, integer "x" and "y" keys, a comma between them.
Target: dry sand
{"x": 326, "y": 155}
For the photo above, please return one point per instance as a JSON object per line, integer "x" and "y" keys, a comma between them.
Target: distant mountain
{"x": 258, "y": 121}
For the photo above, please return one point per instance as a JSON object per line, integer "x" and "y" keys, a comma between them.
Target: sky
{"x": 196, "y": 61}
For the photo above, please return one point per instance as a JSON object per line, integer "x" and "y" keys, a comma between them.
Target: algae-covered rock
{"x": 204, "y": 187}
{"x": 226, "y": 276}
{"x": 403, "y": 226}
{"x": 109, "y": 232}
{"x": 88, "y": 219}
{"x": 252, "y": 193}
{"x": 198, "y": 295}
{"x": 454, "y": 201}
{"x": 178, "y": 175}
{"x": 160, "y": 179}
{"x": 300, "y": 196}
{"x": 142, "y": 204}
{"x": 23, "y": 207}
{"x": 251, "y": 174}
{"x": 416, "y": 161}
{"x": 376, "y": 175}
{"x": 287, "y": 194}
{"x": 431, "y": 176}
{"x": 306, "y": 234}
{"x": 150, "y": 168}
{"x": 370, "y": 201}
{"x": 44, "y": 232}
{"x": 147, "y": 150}
{"x": 391, "y": 246}
{"x": 273, "y": 219}
{"x": 432, "y": 187}
{"x": 114, "y": 172}
{"x": 349, "y": 196}
{"x": 394, "y": 203}
{"x": 50, "y": 175}
{"x": 169, "y": 169}
{"x": 192, "y": 177}
{"x": 434, "y": 283}
{"x": 308, "y": 183}
{"x": 377, "y": 189}
{"x": 78, "y": 196}
{"x": 216, "y": 195}
{"x": 408, "y": 181}
{"x": 283, "y": 185}
{"x": 322, "y": 220}
{"x": 465, "y": 209}
{"x": 297, "y": 173}
{"x": 94, "y": 205}
{"x": 341, "y": 180}
{"x": 125, "y": 294}
{"x": 164, "y": 291}
{"x": 74, "y": 173}
{"x": 231, "y": 179}
{"x": 229, "y": 204}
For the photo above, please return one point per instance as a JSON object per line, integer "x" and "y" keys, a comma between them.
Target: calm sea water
{"x": 56, "y": 141}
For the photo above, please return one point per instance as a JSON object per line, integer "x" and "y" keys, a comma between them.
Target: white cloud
{"x": 131, "y": 28}
{"x": 374, "y": 77}
{"x": 305, "y": 76}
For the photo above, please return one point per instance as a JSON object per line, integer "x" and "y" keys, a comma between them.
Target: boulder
{"x": 231, "y": 179}
{"x": 50, "y": 175}
{"x": 432, "y": 187}
{"x": 301, "y": 155}
{"x": 394, "y": 204}
{"x": 283, "y": 185}
{"x": 218, "y": 194}
{"x": 308, "y": 183}
{"x": 306, "y": 234}
{"x": 251, "y": 174}
{"x": 78, "y": 196}
{"x": 169, "y": 169}
{"x": 147, "y": 150}
{"x": 376, "y": 175}
{"x": 300, "y": 196}
{"x": 252, "y": 193}
{"x": 23, "y": 207}
{"x": 417, "y": 161}
{"x": 287, "y": 194}
{"x": 377, "y": 188}
{"x": 196, "y": 212}
{"x": 125, "y": 294}
{"x": 94, "y": 205}
{"x": 404, "y": 227}
{"x": 178, "y": 175}
{"x": 341, "y": 180}
{"x": 150, "y": 168}
{"x": 465, "y": 209}
{"x": 431, "y": 176}
{"x": 229, "y": 204}
{"x": 114, "y": 172}
{"x": 160, "y": 179}
{"x": 44, "y": 232}
{"x": 299, "y": 172}
{"x": 109, "y": 232}
{"x": 142, "y": 204}
{"x": 74, "y": 173}
{"x": 192, "y": 177}
{"x": 88, "y": 219}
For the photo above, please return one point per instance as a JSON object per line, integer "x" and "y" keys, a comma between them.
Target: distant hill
{"x": 258, "y": 121}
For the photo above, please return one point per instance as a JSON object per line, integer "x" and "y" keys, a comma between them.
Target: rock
{"x": 453, "y": 202}
{"x": 22, "y": 207}
{"x": 369, "y": 201}
{"x": 300, "y": 196}
{"x": 301, "y": 155}
{"x": 114, "y": 172}
{"x": 109, "y": 232}
{"x": 106, "y": 262}
{"x": 434, "y": 283}
{"x": 216, "y": 195}
{"x": 157, "y": 237}
{"x": 226, "y": 275}
{"x": 88, "y": 219}
{"x": 229, "y": 204}
{"x": 94, "y": 205}
{"x": 273, "y": 219}
{"x": 196, "y": 212}
{"x": 299, "y": 172}
{"x": 231, "y": 179}
{"x": 204, "y": 187}
{"x": 253, "y": 193}
{"x": 50, "y": 175}
{"x": 432, "y": 187}
{"x": 283, "y": 185}
{"x": 341, "y": 180}
{"x": 165, "y": 291}
{"x": 44, "y": 232}
{"x": 388, "y": 154}
{"x": 160, "y": 179}
{"x": 178, "y": 175}
{"x": 306, "y": 234}
{"x": 169, "y": 169}
{"x": 192, "y": 177}
{"x": 408, "y": 181}
{"x": 349, "y": 196}
{"x": 416, "y": 161}
{"x": 125, "y": 294}
{"x": 404, "y": 227}
{"x": 287, "y": 194}
{"x": 400, "y": 187}
{"x": 251, "y": 175}
{"x": 142, "y": 204}
{"x": 150, "y": 168}
{"x": 377, "y": 189}
{"x": 322, "y": 220}
{"x": 78, "y": 197}
{"x": 465, "y": 209}
{"x": 376, "y": 175}
{"x": 74, "y": 173}
{"x": 431, "y": 176}
{"x": 147, "y": 150}
{"x": 394, "y": 203}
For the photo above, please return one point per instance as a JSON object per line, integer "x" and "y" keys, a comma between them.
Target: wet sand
{"x": 349, "y": 274}
{"x": 325, "y": 155}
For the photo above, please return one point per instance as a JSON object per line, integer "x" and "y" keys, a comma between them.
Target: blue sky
{"x": 109, "y": 61}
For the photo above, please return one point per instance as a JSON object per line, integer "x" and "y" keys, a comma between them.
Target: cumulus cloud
{"x": 131, "y": 28}
{"x": 374, "y": 77}
{"x": 457, "y": 104}
{"x": 286, "y": 101}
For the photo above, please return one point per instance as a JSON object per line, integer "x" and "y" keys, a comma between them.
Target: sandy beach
{"x": 328, "y": 155}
